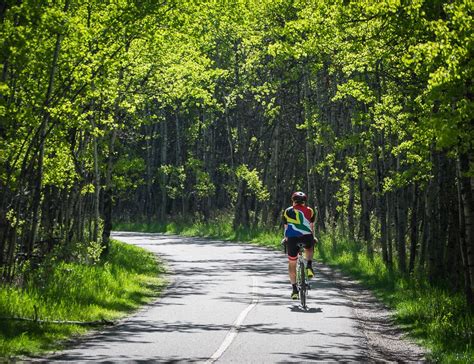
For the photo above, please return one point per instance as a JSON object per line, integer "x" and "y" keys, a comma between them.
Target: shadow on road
{"x": 300, "y": 309}
{"x": 194, "y": 277}
{"x": 327, "y": 354}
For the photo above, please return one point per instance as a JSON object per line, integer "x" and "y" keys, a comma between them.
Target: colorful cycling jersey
{"x": 298, "y": 219}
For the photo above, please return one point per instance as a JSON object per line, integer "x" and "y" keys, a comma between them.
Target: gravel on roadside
{"x": 386, "y": 343}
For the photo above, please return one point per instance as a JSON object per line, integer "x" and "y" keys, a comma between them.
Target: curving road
{"x": 228, "y": 302}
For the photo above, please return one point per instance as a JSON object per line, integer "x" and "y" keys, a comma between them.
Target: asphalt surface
{"x": 229, "y": 303}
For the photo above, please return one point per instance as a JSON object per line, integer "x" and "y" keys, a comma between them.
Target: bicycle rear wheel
{"x": 303, "y": 286}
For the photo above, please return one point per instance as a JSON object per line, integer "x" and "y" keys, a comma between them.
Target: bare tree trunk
{"x": 179, "y": 157}
{"x": 107, "y": 194}
{"x": 390, "y": 203}
{"x": 467, "y": 225}
{"x": 413, "y": 229}
{"x": 350, "y": 209}
{"x": 96, "y": 204}
{"x": 426, "y": 234}
{"x": 383, "y": 228}
{"x": 442, "y": 205}
{"x": 431, "y": 236}
{"x": 273, "y": 176}
{"x": 241, "y": 214}
{"x": 163, "y": 160}
{"x": 453, "y": 254}
{"x": 381, "y": 206}
{"x": 229, "y": 139}
{"x": 400, "y": 225}
{"x": 365, "y": 217}
{"x": 306, "y": 115}
{"x": 436, "y": 236}
{"x": 150, "y": 163}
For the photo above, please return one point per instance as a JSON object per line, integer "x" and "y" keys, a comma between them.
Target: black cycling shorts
{"x": 292, "y": 244}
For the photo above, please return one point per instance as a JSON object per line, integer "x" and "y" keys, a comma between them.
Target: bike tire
{"x": 303, "y": 287}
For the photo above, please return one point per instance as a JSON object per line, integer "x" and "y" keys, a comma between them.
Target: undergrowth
{"x": 61, "y": 291}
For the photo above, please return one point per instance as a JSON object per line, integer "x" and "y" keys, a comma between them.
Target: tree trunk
{"x": 413, "y": 229}
{"x": 365, "y": 217}
{"x": 467, "y": 225}
{"x": 38, "y": 183}
{"x": 400, "y": 224}
{"x": 107, "y": 195}
{"x": 350, "y": 209}
{"x": 381, "y": 206}
{"x": 150, "y": 163}
{"x": 163, "y": 161}
{"x": 179, "y": 158}
{"x": 96, "y": 204}
{"x": 383, "y": 228}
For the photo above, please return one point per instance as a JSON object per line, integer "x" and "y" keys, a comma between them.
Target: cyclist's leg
{"x": 309, "y": 251}
{"x": 292, "y": 270}
{"x": 308, "y": 247}
{"x": 292, "y": 259}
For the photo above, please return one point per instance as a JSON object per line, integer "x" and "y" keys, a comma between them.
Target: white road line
{"x": 234, "y": 330}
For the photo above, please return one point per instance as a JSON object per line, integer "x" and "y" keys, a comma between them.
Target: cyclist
{"x": 299, "y": 228}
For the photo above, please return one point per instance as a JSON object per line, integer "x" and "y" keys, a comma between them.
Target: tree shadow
{"x": 202, "y": 277}
{"x": 329, "y": 353}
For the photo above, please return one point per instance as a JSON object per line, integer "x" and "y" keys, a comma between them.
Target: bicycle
{"x": 302, "y": 280}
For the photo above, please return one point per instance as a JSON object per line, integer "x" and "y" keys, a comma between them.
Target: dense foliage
{"x": 149, "y": 110}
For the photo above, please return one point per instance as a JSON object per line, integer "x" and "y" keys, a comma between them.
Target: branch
{"x": 80, "y": 323}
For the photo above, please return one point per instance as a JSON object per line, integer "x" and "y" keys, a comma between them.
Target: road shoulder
{"x": 385, "y": 341}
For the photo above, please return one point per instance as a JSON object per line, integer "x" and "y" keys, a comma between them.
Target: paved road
{"x": 228, "y": 303}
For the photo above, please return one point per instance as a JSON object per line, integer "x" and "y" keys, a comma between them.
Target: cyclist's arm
{"x": 311, "y": 225}
{"x": 285, "y": 225}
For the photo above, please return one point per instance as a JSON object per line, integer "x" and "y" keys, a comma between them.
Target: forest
{"x": 144, "y": 110}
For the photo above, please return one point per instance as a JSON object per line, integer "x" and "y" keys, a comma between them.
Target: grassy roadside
{"x": 76, "y": 292}
{"x": 437, "y": 318}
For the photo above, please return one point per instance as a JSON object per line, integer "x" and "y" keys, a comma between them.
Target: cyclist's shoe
{"x": 294, "y": 295}
{"x": 310, "y": 272}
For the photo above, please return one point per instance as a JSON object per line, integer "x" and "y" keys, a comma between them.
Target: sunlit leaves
{"x": 445, "y": 62}
{"x": 355, "y": 89}
{"x": 253, "y": 182}
{"x": 175, "y": 177}
{"x": 203, "y": 185}
{"x": 59, "y": 168}
{"x": 362, "y": 79}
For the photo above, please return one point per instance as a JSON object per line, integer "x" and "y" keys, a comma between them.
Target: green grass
{"x": 438, "y": 318}
{"x": 76, "y": 292}
{"x": 435, "y": 317}
{"x": 216, "y": 228}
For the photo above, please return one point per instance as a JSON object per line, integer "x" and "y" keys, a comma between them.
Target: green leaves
{"x": 445, "y": 62}
{"x": 358, "y": 90}
{"x": 253, "y": 182}
{"x": 128, "y": 173}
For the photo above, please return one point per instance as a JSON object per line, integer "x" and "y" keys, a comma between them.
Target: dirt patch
{"x": 386, "y": 343}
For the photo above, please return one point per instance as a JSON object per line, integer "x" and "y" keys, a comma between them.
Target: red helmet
{"x": 299, "y": 197}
